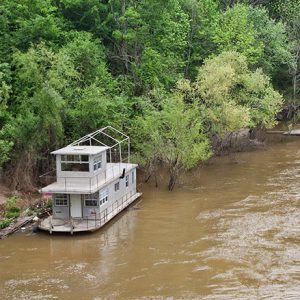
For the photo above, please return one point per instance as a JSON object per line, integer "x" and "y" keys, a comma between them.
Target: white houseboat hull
{"x": 90, "y": 223}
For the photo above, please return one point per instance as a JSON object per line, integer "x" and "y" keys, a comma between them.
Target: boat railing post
{"x": 50, "y": 224}
{"x": 72, "y": 226}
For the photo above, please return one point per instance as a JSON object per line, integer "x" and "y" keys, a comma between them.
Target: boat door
{"x": 76, "y": 207}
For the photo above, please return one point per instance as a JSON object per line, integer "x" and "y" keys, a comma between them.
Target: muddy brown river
{"x": 231, "y": 230}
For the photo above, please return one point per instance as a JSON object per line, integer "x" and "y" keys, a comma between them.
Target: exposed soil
{"x": 4, "y": 193}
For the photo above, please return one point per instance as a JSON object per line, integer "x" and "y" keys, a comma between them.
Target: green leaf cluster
{"x": 68, "y": 67}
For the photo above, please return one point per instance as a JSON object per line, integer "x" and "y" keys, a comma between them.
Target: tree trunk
{"x": 295, "y": 76}
{"x": 172, "y": 181}
{"x": 173, "y": 171}
{"x": 124, "y": 51}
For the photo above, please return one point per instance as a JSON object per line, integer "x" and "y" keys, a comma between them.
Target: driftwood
{"x": 21, "y": 222}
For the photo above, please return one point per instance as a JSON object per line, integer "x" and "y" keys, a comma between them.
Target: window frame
{"x": 91, "y": 197}
{"x": 103, "y": 197}
{"x": 117, "y": 186}
{"x": 97, "y": 163}
{"x": 63, "y": 197}
{"x": 72, "y": 159}
{"x": 127, "y": 181}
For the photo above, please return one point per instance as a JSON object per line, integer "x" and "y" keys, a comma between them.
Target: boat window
{"x": 97, "y": 162}
{"x": 127, "y": 180}
{"x": 117, "y": 186}
{"x": 103, "y": 197}
{"x": 75, "y": 158}
{"x": 91, "y": 200}
{"x": 90, "y": 203}
{"x": 61, "y": 200}
{"x": 132, "y": 177}
{"x": 79, "y": 163}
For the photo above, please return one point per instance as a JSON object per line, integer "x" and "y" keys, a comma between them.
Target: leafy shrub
{"x": 4, "y": 223}
{"x": 11, "y": 203}
{"x": 31, "y": 211}
{"x": 12, "y": 211}
{"x": 48, "y": 204}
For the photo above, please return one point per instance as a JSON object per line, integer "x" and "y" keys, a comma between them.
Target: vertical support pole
{"x": 128, "y": 150}
{"x": 120, "y": 153}
{"x": 72, "y": 227}
{"x": 50, "y": 224}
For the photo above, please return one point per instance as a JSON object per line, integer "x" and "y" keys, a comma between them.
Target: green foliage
{"x": 13, "y": 213}
{"x": 11, "y": 203}
{"x": 11, "y": 209}
{"x": 203, "y": 19}
{"x": 88, "y": 58}
{"x": 232, "y": 97}
{"x": 236, "y": 32}
{"x": 5, "y": 223}
{"x": 68, "y": 67}
{"x": 277, "y": 50}
{"x": 173, "y": 136}
{"x": 28, "y": 22}
{"x": 31, "y": 212}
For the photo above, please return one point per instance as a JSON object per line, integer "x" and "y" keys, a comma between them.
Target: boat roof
{"x": 85, "y": 150}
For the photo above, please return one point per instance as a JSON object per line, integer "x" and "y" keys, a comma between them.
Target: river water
{"x": 230, "y": 231}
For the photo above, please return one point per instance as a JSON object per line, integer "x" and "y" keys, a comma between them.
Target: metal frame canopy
{"x": 117, "y": 142}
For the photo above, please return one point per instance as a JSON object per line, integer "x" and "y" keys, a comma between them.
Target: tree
{"x": 203, "y": 19}
{"x": 6, "y": 145}
{"x": 26, "y": 22}
{"x": 173, "y": 135}
{"x": 231, "y": 96}
{"x": 289, "y": 13}
{"x": 277, "y": 49}
{"x": 235, "y": 32}
{"x": 42, "y": 79}
{"x": 88, "y": 57}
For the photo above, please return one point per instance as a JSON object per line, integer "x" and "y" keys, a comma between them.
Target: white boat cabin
{"x": 93, "y": 182}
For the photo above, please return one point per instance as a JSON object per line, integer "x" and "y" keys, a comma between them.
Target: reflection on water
{"x": 231, "y": 231}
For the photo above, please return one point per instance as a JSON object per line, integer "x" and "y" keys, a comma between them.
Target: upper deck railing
{"x": 117, "y": 142}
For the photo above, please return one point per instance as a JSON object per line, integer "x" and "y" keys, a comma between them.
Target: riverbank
{"x": 31, "y": 204}
{"x": 19, "y": 210}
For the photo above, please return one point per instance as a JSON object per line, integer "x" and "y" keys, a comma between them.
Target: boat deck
{"x": 91, "y": 223}
{"x": 295, "y": 132}
{"x": 88, "y": 185}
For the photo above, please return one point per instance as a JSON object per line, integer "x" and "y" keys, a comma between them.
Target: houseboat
{"x": 94, "y": 181}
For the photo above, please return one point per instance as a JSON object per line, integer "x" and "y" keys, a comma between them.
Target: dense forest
{"x": 171, "y": 73}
